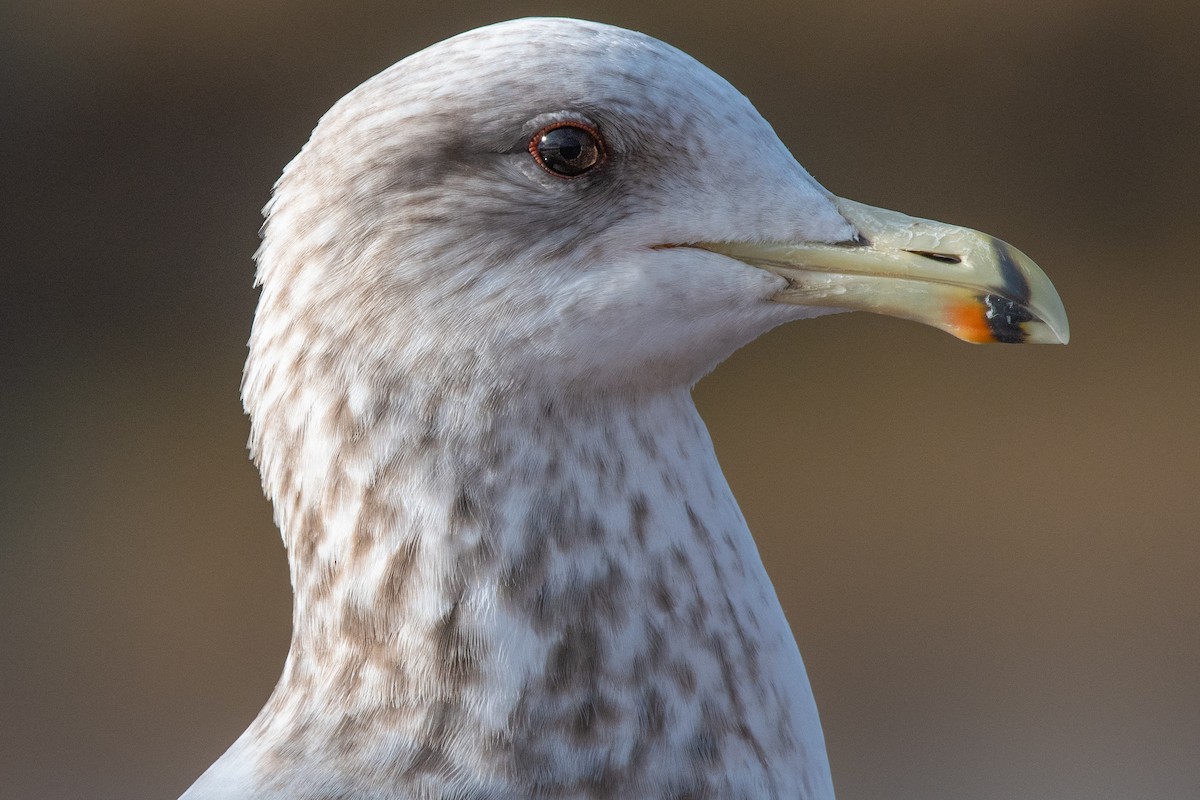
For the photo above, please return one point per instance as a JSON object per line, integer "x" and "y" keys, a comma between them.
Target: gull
{"x": 489, "y": 282}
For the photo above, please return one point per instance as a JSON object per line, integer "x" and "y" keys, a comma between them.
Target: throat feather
{"x": 517, "y": 594}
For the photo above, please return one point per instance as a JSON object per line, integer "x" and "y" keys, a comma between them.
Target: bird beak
{"x": 967, "y": 283}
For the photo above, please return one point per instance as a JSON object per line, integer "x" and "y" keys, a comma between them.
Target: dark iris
{"x": 567, "y": 149}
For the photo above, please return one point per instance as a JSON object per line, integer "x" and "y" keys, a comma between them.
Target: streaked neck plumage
{"x": 508, "y": 596}
{"x": 518, "y": 570}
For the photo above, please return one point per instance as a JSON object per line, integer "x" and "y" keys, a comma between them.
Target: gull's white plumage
{"x": 519, "y": 571}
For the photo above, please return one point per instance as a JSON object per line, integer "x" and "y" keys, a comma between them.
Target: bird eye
{"x": 567, "y": 149}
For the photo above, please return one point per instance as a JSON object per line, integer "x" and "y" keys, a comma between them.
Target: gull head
{"x": 561, "y": 203}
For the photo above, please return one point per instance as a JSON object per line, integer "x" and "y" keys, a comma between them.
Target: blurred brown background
{"x": 989, "y": 554}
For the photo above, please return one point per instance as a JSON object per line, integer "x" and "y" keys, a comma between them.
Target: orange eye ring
{"x": 567, "y": 149}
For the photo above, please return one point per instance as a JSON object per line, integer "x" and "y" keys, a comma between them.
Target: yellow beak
{"x": 967, "y": 283}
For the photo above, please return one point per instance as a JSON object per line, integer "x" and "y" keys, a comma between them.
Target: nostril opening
{"x": 945, "y": 258}
{"x": 858, "y": 241}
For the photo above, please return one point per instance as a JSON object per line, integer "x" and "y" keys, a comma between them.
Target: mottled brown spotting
{"x": 383, "y": 654}
{"x": 385, "y": 400}
{"x": 329, "y": 359}
{"x": 652, "y": 714}
{"x": 748, "y": 647}
{"x": 593, "y": 715}
{"x": 459, "y": 653}
{"x": 714, "y": 721}
{"x": 575, "y": 660}
{"x": 739, "y": 565}
{"x": 710, "y": 546}
{"x": 656, "y": 649}
{"x": 553, "y": 468}
{"x": 685, "y": 677}
{"x": 498, "y": 455}
{"x": 494, "y": 401}
{"x": 664, "y": 598}
{"x": 701, "y": 530}
{"x": 704, "y": 748}
{"x": 348, "y": 677}
{"x": 738, "y": 707}
{"x": 672, "y": 479}
{"x": 760, "y": 753}
{"x": 323, "y": 580}
{"x": 585, "y": 715}
{"x": 337, "y": 491}
{"x": 698, "y": 611}
{"x": 399, "y": 571}
{"x": 601, "y": 468}
{"x": 712, "y": 487}
{"x": 607, "y": 467}
{"x": 464, "y": 511}
{"x": 562, "y": 521}
{"x": 312, "y": 531}
{"x": 605, "y": 782}
{"x": 639, "y": 512}
{"x": 362, "y": 542}
{"x": 542, "y": 613}
{"x": 600, "y": 599}
{"x": 527, "y": 570}
{"x": 384, "y": 469}
{"x": 430, "y": 434}
{"x": 551, "y": 517}
{"x": 288, "y": 480}
{"x": 521, "y": 743}
{"x": 283, "y": 755}
{"x": 728, "y": 677}
{"x": 594, "y": 530}
{"x": 361, "y": 624}
{"x": 376, "y": 516}
{"x": 433, "y": 753}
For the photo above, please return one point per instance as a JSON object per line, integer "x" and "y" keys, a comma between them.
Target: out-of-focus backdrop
{"x": 989, "y": 555}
